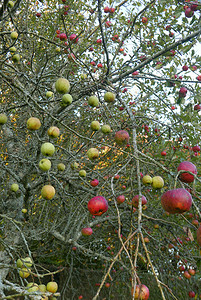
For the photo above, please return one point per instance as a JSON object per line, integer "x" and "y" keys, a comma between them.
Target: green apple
{"x": 109, "y": 97}
{"x": 3, "y": 119}
{"x": 16, "y": 58}
{"x": 10, "y": 4}
{"x": 19, "y": 263}
{"x": 24, "y": 210}
{"x": 74, "y": 165}
{"x": 147, "y": 179}
{"x": 95, "y": 125}
{"x": 53, "y": 132}
{"x": 47, "y": 149}
{"x": 48, "y": 192}
{"x": 58, "y": 49}
{"x": 67, "y": 99}
{"x": 45, "y": 164}
{"x": 14, "y": 187}
{"x": 93, "y": 101}
{"x": 61, "y": 167}
{"x": 49, "y": 94}
{"x": 32, "y": 287}
{"x": 14, "y": 35}
{"x": 27, "y": 261}
{"x": 42, "y": 288}
{"x": 83, "y": 76}
{"x": 52, "y": 287}
{"x": 93, "y": 153}
{"x": 33, "y": 123}
{"x": 82, "y": 173}
{"x": 12, "y": 49}
{"x": 62, "y": 86}
{"x": 106, "y": 129}
{"x": 157, "y": 182}
{"x": 24, "y": 272}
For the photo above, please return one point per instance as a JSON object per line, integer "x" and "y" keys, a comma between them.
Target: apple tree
{"x": 100, "y": 149}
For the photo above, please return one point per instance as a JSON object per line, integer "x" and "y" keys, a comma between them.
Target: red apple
{"x": 121, "y": 137}
{"x": 187, "y": 166}
{"x": 189, "y": 13}
{"x": 135, "y": 200}
{"x": 191, "y": 294}
{"x": 141, "y": 292}
{"x": 187, "y": 275}
{"x": 185, "y": 68}
{"x": 106, "y": 9}
{"x": 120, "y": 199}
{"x": 144, "y": 20}
{"x": 183, "y": 91}
{"x": 163, "y": 153}
{"x": 116, "y": 176}
{"x": 94, "y": 182}
{"x": 191, "y": 271}
{"x": 97, "y": 205}
{"x": 86, "y": 231}
{"x": 196, "y": 148}
{"x": 199, "y": 235}
{"x": 176, "y": 201}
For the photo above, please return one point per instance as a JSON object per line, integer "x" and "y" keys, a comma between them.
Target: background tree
{"x": 135, "y": 67}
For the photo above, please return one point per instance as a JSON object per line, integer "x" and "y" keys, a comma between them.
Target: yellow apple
{"x": 14, "y": 35}
{"x": 48, "y": 192}
{"x": 95, "y": 125}
{"x": 62, "y": 86}
{"x": 74, "y": 165}
{"x": 42, "y": 288}
{"x": 109, "y": 97}
{"x": 49, "y": 94}
{"x": 24, "y": 272}
{"x": 147, "y": 179}
{"x": 53, "y": 132}
{"x": 106, "y": 129}
{"x": 157, "y": 182}
{"x": 32, "y": 287}
{"x": 33, "y": 123}
{"x": 52, "y": 287}
{"x": 24, "y": 210}
{"x": 61, "y": 167}
{"x": 12, "y": 49}
{"x": 10, "y": 4}
{"x": 93, "y": 153}
{"x": 93, "y": 101}
{"x": 27, "y": 261}
{"x": 16, "y": 58}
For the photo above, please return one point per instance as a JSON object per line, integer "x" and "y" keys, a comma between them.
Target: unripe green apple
{"x": 24, "y": 210}
{"x": 109, "y": 97}
{"x": 42, "y": 288}
{"x": 58, "y": 49}
{"x": 10, "y": 4}
{"x": 67, "y": 99}
{"x": 62, "y": 86}
{"x": 83, "y": 76}
{"x": 3, "y": 119}
{"x": 33, "y": 123}
{"x": 47, "y": 149}
{"x": 49, "y": 94}
{"x": 19, "y": 263}
{"x": 14, "y": 187}
{"x": 157, "y": 182}
{"x": 33, "y": 287}
{"x": 12, "y": 49}
{"x": 74, "y": 165}
{"x": 52, "y": 287}
{"x": 106, "y": 129}
{"x": 147, "y": 179}
{"x": 27, "y": 261}
{"x": 93, "y": 153}
{"x": 14, "y": 35}
{"x": 95, "y": 125}
{"x": 93, "y": 101}
{"x": 45, "y": 164}
{"x": 48, "y": 192}
{"x": 61, "y": 167}
{"x": 24, "y": 273}
{"x": 82, "y": 173}
{"x": 16, "y": 58}
{"x": 53, "y": 132}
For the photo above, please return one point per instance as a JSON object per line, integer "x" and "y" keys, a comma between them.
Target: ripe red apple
{"x": 86, "y": 231}
{"x": 97, "y": 205}
{"x": 120, "y": 199}
{"x": 73, "y": 38}
{"x": 191, "y": 294}
{"x": 191, "y": 271}
{"x": 163, "y": 153}
{"x": 187, "y": 166}
{"x": 144, "y": 20}
{"x": 187, "y": 275}
{"x": 38, "y": 15}
{"x": 106, "y": 9}
{"x": 185, "y": 68}
{"x": 189, "y": 13}
{"x": 135, "y": 200}
{"x": 183, "y": 92}
{"x": 196, "y": 148}
{"x": 121, "y": 137}
{"x": 94, "y": 182}
{"x": 141, "y": 292}
{"x": 176, "y": 201}
{"x": 63, "y": 37}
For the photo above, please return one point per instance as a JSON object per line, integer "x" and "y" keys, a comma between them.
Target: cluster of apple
{"x": 24, "y": 268}
{"x": 15, "y": 56}
{"x": 157, "y": 182}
